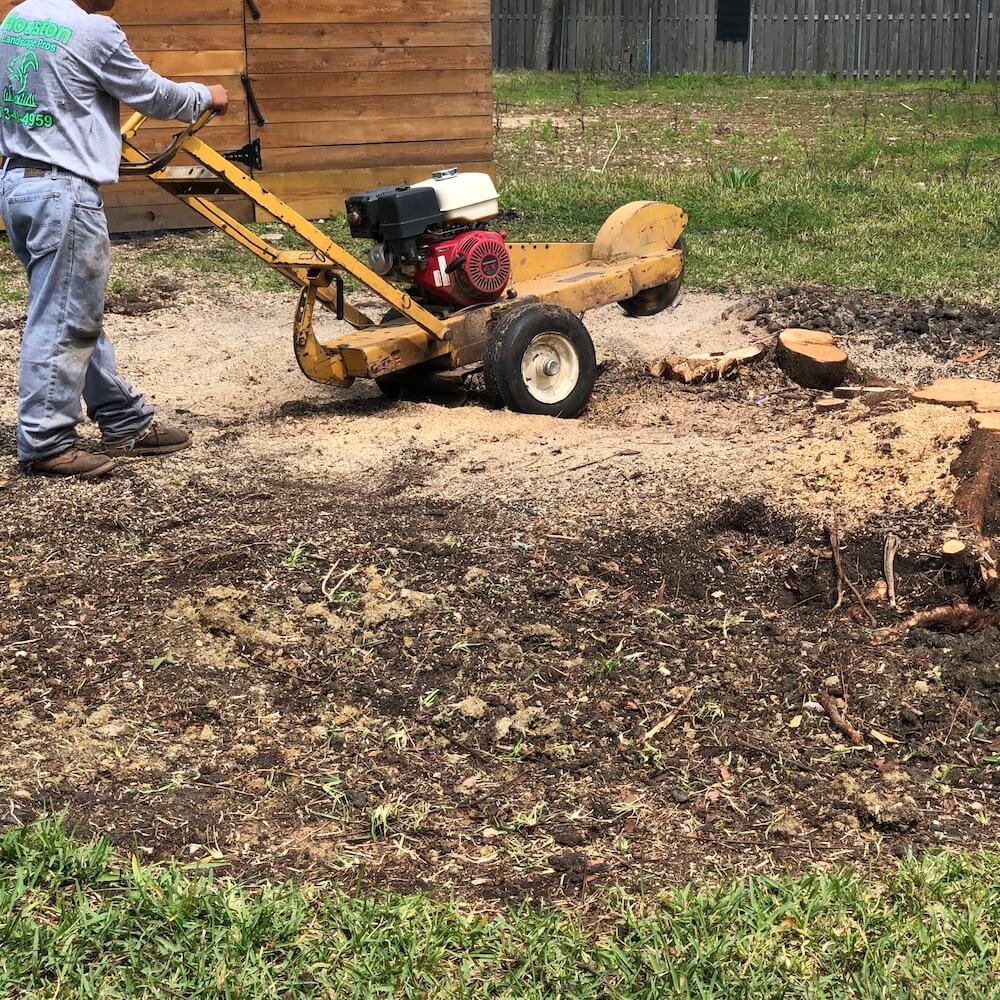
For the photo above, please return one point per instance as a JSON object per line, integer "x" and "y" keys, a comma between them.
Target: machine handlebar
{"x": 151, "y": 164}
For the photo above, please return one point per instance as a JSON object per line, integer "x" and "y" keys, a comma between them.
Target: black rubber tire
{"x": 408, "y": 381}
{"x": 395, "y": 385}
{"x": 510, "y": 335}
{"x": 651, "y": 301}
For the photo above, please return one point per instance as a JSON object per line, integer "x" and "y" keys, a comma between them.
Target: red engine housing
{"x": 465, "y": 270}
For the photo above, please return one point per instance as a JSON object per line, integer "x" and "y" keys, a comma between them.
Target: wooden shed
{"x": 355, "y": 94}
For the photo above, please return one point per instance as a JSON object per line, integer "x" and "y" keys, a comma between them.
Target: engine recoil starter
{"x": 467, "y": 269}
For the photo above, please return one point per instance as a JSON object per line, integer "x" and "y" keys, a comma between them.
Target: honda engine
{"x": 433, "y": 235}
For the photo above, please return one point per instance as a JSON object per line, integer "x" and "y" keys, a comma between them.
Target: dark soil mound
{"x": 940, "y": 329}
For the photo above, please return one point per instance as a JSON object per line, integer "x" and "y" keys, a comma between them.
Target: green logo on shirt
{"x": 25, "y": 105}
{"x": 18, "y": 103}
{"x": 18, "y": 70}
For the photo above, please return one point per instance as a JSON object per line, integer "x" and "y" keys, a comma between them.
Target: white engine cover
{"x": 464, "y": 197}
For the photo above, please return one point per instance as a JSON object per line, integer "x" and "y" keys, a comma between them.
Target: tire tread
{"x": 497, "y": 373}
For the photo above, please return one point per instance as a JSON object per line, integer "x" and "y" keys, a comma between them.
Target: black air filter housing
{"x": 394, "y": 214}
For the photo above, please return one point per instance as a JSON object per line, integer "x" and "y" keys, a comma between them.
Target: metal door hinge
{"x": 248, "y": 156}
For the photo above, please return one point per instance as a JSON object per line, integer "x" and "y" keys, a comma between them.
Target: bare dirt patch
{"x": 429, "y": 644}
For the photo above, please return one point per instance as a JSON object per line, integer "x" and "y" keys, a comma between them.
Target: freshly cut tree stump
{"x": 954, "y": 552}
{"x": 980, "y": 393}
{"x": 811, "y": 358}
{"x": 977, "y": 470}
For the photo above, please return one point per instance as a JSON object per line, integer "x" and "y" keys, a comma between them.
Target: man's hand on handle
{"x": 220, "y": 98}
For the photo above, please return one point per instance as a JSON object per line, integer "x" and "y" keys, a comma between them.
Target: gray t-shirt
{"x": 63, "y": 72}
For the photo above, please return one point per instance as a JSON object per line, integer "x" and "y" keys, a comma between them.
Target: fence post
{"x": 649, "y": 43}
{"x": 859, "y": 40}
{"x": 563, "y": 40}
{"x": 978, "y": 37}
{"x": 753, "y": 9}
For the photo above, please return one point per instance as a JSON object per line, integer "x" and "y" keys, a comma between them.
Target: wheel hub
{"x": 550, "y": 367}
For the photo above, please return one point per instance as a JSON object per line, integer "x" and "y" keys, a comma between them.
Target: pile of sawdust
{"x": 211, "y": 628}
{"x": 861, "y": 464}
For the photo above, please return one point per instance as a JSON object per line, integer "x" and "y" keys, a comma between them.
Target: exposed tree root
{"x": 830, "y": 707}
{"x": 950, "y": 618}
{"x": 842, "y": 578}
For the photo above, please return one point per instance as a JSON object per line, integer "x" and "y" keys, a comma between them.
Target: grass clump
{"x": 74, "y": 923}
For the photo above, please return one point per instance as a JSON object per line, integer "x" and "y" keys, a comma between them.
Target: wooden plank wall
{"x": 355, "y": 96}
{"x": 358, "y": 95}
{"x": 905, "y": 39}
{"x": 200, "y": 40}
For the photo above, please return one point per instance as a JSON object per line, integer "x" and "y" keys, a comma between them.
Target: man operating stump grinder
{"x": 67, "y": 67}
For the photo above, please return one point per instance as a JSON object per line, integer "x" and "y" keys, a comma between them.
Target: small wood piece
{"x": 811, "y": 358}
{"x": 691, "y": 370}
{"x": 986, "y": 421}
{"x": 875, "y": 395}
{"x": 889, "y": 565}
{"x": 950, "y": 618}
{"x": 980, "y": 393}
{"x": 842, "y": 578}
{"x": 835, "y": 716}
{"x": 971, "y": 356}
{"x": 746, "y": 355}
{"x": 705, "y": 367}
{"x": 848, "y": 391}
{"x": 830, "y": 405}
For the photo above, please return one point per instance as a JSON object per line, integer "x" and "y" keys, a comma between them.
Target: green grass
{"x": 524, "y": 87}
{"x": 219, "y": 261}
{"x": 73, "y": 923}
{"x": 886, "y": 186}
{"x": 13, "y": 287}
{"x": 891, "y": 187}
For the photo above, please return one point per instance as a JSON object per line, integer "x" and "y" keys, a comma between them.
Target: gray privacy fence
{"x": 862, "y": 39}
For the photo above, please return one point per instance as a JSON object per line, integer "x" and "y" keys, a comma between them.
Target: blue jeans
{"x": 58, "y": 230}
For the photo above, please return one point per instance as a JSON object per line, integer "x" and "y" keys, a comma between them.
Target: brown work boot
{"x": 157, "y": 439}
{"x": 74, "y": 463}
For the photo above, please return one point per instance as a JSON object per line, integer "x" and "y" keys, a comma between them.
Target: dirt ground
{"x": 431, "y": 644}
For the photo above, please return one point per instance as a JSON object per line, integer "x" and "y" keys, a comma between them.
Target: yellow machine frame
{"x": 636, "y": 249}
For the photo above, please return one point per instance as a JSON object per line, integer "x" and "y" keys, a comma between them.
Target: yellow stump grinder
{"x": 460, "y": 299}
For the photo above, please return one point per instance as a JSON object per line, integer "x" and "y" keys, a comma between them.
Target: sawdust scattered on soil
{"x": 645, "y": 445}
{"x": 434, "y": 645}
{"x": 862, "y": 462}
